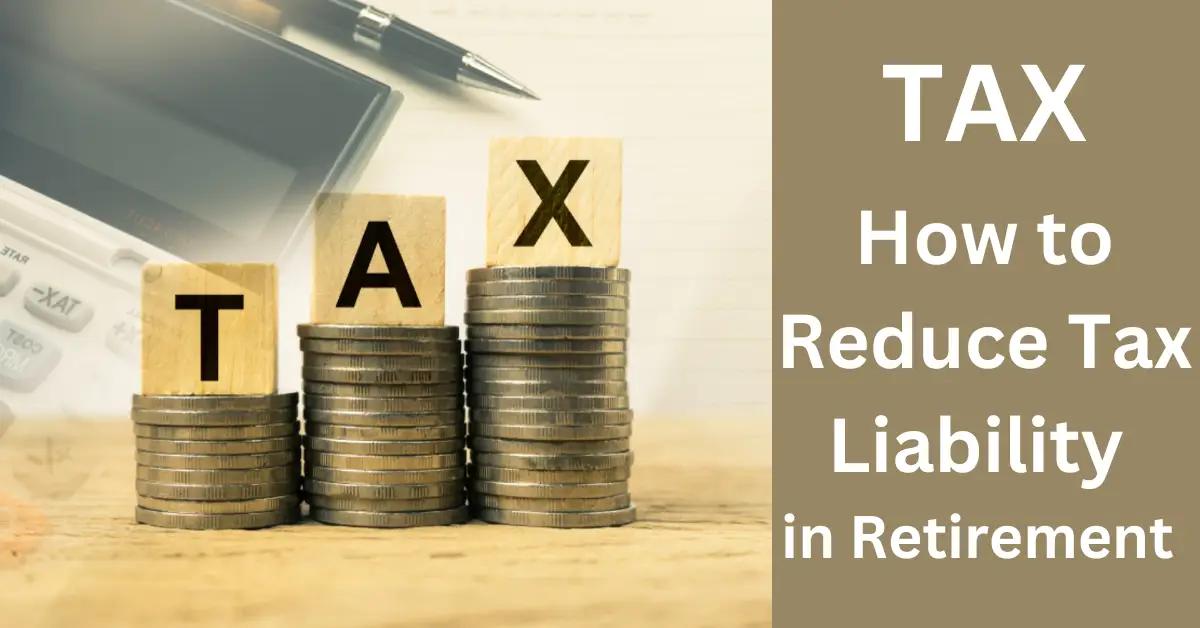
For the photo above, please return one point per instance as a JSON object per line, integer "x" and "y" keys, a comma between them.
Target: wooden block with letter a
{"x": 209, "y": 329}
{"x": 554, "y": 202}
{"x": 380, "y": 260}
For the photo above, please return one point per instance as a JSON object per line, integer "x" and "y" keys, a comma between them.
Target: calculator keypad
{"x": 26, "y": 358}
{"x": 58, "y": 307}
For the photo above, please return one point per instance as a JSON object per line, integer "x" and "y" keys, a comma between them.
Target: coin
{"x": 507, "y": 446}
{"x": 546, "y": 317}
{"x": 551, "y": 432}
{"x": 386, "y": 463}
{"x": 391, "y": 519}
{"x": 377, "y": 478}
{"x": 552, "y": 417}
{"x": 602, "y": 519}
{"x": 547, "y": 389}
{"x": 549, "y": 302}
{"x": 382, "y": 404}
{"x": 546, "y": 346}
{"x": 551, "y": 491}
{"x": 214, "y": 402}
{"x": 216, "y": 492}
{"x": 243, "y": 521}
{"x": 382, "y": 491}
{"x": 370, "y": 376}
{"x": 480, "y": 471}
{"x": 441, "y": 502}
{"x": 381, "y": 347}
{"x": 264, "y": 504}
{"x": 518, "y": 287}
{"x": 218, "y": 447}
{"x": 533, "y": 361}
{"x": 385, "y": 434}
{"x": 385, "y": 419}
{"x": 580, "y": 504}
{"x": 444, "y": 389}
{"x": 547, "y": 332}
{"x": 213, "y": 418}
{"x": 383, "y": 362}
{"x": 476, "y": 374}
{"x": 558, "y": 462}
{"x": 383, "y": 448}
{"x": 217, "y": 434}
{"x": 561, "y": 404}
{"x": 267, "y": 475}
{"x": 593, "y": 273}
{"x": 215, "y": 462}
{"x": 376, "y": 332}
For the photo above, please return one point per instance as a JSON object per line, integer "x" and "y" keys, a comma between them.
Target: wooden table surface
{"x": 70, "y": 553}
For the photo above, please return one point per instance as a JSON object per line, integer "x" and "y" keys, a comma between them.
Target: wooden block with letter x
{"x": 209, "y": 329}
{"x": 554, "y": 202}
{"x": 380, "y": 260}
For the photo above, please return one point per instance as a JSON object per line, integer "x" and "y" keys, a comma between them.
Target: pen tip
{"x": 478, "y": 72}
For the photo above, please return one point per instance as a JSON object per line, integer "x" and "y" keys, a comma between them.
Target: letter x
{"x": 554, "y": 203}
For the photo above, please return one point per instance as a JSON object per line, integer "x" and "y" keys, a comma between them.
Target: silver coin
{"x": 219, "y": 447}
{"x": 547, "y": 332}
{"x": 603, "y": 519}
{"x": 551, "y": 432}
{"x": 386, "y": 463}
{"x": 559, "y": 462}
{"x": 547, "y": 317}
{"x": 477, "y": 374}
{"x": 507, "y": 446}
{"x": 216, "y": 492}
{"x": 382, "y": 491}
{"x": 263, "y": 504}
{"x": 547, "y": 389}
{"x": 368, "y": 376}
{"x": 383, "y": 478}
{"x": 530, "y": 476}
{"x": 385, "y": 419}
{"x": 384, "y": 362}
{"x": 445, "y": 389}
{"x": 549, "y": 361}
{"x": 376, "y": 332}
{"x": 266, "y": 475}
{"x": 381, "y": 347}
{"x": 548, "y": 302}
{"x": 591, "y": 273}
{"x": 545, "y": 346}
{"x": 391, "y": 519}
{"x": 383, "y": 448}
{"x": 217, "y": 434}
{"x": 579, "y": 504}
{"x": 215, "y": 462}
{"x": 575, "y": 403}
{"x": 531, "y": 490}
{"x": 385, "y": 434}
{"x": 383, "y": 404}
{"x": 214, "y": 402}
{"x": 442, "y": 502}
{"x": 243, "y": 521}
{"x": 212, "y": 418}
{"x": 552, "y": 417}
{"x": 518, "y": 287}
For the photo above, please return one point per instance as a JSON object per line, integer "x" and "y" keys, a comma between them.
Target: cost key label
{"x": 25, "y": 358}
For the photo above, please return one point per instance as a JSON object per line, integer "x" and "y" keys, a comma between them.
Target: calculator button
{"x": 58, "y": 307}
{"x": 9, "y": 278}
{"x": 123, "y": 336}
{"x": 26, "y": 359}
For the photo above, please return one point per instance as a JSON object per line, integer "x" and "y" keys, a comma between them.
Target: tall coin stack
{"x": 550, "y": 419}
{"x": 384, "y": 427}
{"x": 217, "y": 462}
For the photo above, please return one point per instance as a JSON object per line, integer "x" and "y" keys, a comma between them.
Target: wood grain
{"x": 699, "y": 556}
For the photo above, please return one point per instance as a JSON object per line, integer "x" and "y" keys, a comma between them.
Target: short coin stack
{"x": 384, "y": 427}
{"x": 217, "y": 462}
{"x": 550, "y": 417}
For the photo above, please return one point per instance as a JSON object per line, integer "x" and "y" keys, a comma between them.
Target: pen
{"x": 399, "y": 41}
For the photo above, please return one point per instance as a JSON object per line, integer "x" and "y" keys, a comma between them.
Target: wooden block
{"x": 380, "y": 260}
{"x": 242, "y": 299}
{"x": 530, "y": 224}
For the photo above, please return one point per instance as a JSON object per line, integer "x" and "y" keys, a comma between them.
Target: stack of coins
{"x": 217, "y": 462}
{"x": 384, "y": 427}
{"x": 550, "y": 417}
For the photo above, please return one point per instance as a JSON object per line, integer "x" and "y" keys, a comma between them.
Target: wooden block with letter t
{"x": 554, "y": 202}
{"x": 380, "y": 260}
{"x": 209, "y": 329}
